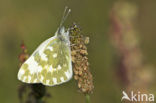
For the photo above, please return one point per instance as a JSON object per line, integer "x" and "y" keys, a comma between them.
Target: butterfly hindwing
{"x": 28, "y": 70}
{"x": 56, "y": 64}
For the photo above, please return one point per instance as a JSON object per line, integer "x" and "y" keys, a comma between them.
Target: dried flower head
{"x": 125, "y": 40}
{"x": 79, "y": 54}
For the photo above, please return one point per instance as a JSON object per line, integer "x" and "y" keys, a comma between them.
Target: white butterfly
{"x": 50, "y": 64}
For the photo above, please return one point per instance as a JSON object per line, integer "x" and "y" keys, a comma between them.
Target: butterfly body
{"x": 50, "y": 64}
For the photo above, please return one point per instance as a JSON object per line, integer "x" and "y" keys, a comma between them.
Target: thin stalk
{"x": 87, "y": 98}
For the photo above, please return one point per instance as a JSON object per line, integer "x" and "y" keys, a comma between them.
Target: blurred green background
{"x": 36, "y": 20}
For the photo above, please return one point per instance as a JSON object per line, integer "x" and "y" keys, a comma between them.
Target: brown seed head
{"x": 79, "y": 54}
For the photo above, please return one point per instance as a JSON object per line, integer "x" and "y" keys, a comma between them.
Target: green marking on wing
{"x": 26, "y": 75}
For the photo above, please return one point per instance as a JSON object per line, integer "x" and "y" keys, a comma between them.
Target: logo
{"x": 137, "y": 97}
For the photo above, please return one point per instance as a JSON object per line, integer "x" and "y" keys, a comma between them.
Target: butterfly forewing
{"x": 56, "y": 67}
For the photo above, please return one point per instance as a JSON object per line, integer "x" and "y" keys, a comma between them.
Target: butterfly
{"x": 50, "y": 64}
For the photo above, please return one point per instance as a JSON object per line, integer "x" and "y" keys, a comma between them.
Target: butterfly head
{"x": 63, "y": 35}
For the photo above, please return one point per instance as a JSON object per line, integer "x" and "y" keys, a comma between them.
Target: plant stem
{"x": 87, "y": 98}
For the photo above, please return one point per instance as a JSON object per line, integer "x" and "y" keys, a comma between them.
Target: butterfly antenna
{"x": 65, "y": 15}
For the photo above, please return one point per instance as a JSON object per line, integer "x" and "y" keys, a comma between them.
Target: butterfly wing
{"x": 57, "y": 68}
{"x": 28, "y": 70}
{"x": 50, "y": 64}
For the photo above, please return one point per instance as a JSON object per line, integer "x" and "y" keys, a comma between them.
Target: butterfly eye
{"x": 62, "y": 30}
